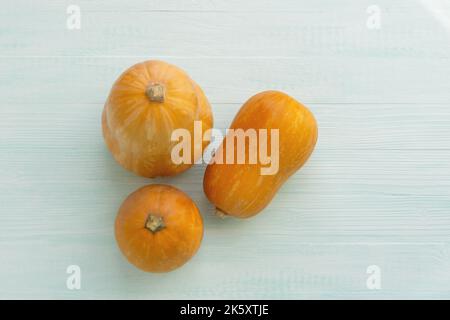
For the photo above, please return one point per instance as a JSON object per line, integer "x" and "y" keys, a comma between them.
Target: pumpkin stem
{"x": 154, "y": 223}
{"x": 155, "y": 92}
{"x": 220, "y": 213}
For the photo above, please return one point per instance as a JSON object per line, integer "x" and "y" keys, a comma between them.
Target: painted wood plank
{"x": 234, "y": 80}
{"x": 317, "y": 29}
{"x": 28, "y": 6}
{"x": 342, "y": 126}
{"x": 294, "y": 271}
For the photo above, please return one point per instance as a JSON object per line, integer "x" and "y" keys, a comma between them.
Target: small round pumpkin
{"x": 146, "y": 104}
{"x": 158, "y": 228}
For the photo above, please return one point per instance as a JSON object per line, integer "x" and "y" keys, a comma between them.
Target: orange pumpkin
{"x": 241, "y": 190}
{"x": 146, "y": 104}
{"x": 158, "y": 228}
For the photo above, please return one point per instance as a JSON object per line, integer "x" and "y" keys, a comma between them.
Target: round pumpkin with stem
{"x": 146, "y": 104}
{"x": 244, "y": 189}
{"x": 158, "y": 228}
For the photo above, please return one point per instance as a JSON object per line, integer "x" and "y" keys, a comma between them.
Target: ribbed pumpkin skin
{"x": 239, "y": 189}
{"x": 137, "y": 130}
{"x": 165, "y": 249}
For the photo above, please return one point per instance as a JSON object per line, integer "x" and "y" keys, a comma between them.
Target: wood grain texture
{"x": 375, "y": 192}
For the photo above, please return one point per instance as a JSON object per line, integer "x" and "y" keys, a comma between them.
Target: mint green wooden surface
{"x": 375, "y": 192}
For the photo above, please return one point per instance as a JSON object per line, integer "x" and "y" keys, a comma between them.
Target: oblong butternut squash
{"x": 242, "y": 190}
